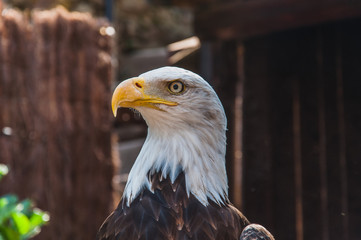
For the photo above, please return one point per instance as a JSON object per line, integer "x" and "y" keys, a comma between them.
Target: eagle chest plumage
{"x": 168, "y": 213}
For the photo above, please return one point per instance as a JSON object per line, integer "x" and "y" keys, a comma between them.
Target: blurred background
{"x": 287, "y": 72}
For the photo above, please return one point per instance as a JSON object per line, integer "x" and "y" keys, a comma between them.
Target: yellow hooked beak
{"x": 131, "y": 93}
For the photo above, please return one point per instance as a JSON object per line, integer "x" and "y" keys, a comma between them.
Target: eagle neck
{"x": 200, "y": 155}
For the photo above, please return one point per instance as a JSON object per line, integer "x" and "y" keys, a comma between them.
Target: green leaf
{"x": 9, "y": 234}
{"x": 37, "y": 219}
{"x": 25, "y": 207}
{"x": 33, "y": 232}
{"x": 7, "y": 200}
{"x": 7, "y": 206}
{"x": 21, "y": 221}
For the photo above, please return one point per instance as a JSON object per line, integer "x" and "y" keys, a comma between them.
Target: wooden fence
{"x": 293, "y": 101}
{"x": 55, "y": 120}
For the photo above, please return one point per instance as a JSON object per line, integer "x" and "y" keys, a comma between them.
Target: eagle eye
{"x": 176, "y": 87}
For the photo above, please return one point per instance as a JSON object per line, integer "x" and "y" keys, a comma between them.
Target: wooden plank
{"x": 332, "y": 133}
{"x": 238, "y": 169}
{"x": 297, "y": 158}
{"x": 281, "y": 66}
{"x": 245, "y": 19}
{"x": 308, "y": 74}
{"x": 257, "y": 155}
{"x": 349, "y": 105}
{"x": 342, "y": 139}
{"x": 322, "y": 136}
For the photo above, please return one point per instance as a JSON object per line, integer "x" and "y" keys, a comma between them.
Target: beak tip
{"x": 114, "y": 110}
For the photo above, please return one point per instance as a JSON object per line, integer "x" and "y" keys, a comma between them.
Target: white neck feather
{"x": 197, "y": 151}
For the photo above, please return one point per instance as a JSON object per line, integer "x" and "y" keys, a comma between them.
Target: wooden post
{"x": 298, "y": 160}
{"x": 55, "y": 88}
{"x": 238, "y": 130}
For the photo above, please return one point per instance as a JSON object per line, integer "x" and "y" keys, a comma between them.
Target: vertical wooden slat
{"x": 342, "y": 137}
{"x": 351, "y": 85}
{"x": 257, "y": 154}
{"x": 308, "y": 74}
{"x": 238, "y": 130}
{"x": 283, "y": 169}
{"x": 332, "y": 133}
{"x": 322, "y": 139}
{"x": 298, "y": 160}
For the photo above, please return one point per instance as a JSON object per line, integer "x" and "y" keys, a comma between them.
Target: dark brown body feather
{"x": 169, "y": 214}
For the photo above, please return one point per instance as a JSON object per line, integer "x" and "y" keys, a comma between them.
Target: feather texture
{"x": 168, "y": 213}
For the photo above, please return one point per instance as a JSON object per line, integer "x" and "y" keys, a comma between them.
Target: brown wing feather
{"x": 169, "y": 214}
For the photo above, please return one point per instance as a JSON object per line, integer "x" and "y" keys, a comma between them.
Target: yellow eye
{"x": 176, "y": 87}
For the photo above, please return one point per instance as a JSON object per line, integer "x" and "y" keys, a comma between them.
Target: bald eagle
{"x": 177, "y": 188}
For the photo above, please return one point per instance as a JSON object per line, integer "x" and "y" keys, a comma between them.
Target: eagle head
{"x": 186, "y": 131}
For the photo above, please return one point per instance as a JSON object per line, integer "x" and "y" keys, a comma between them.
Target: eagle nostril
{"x": 138, "y": 85}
